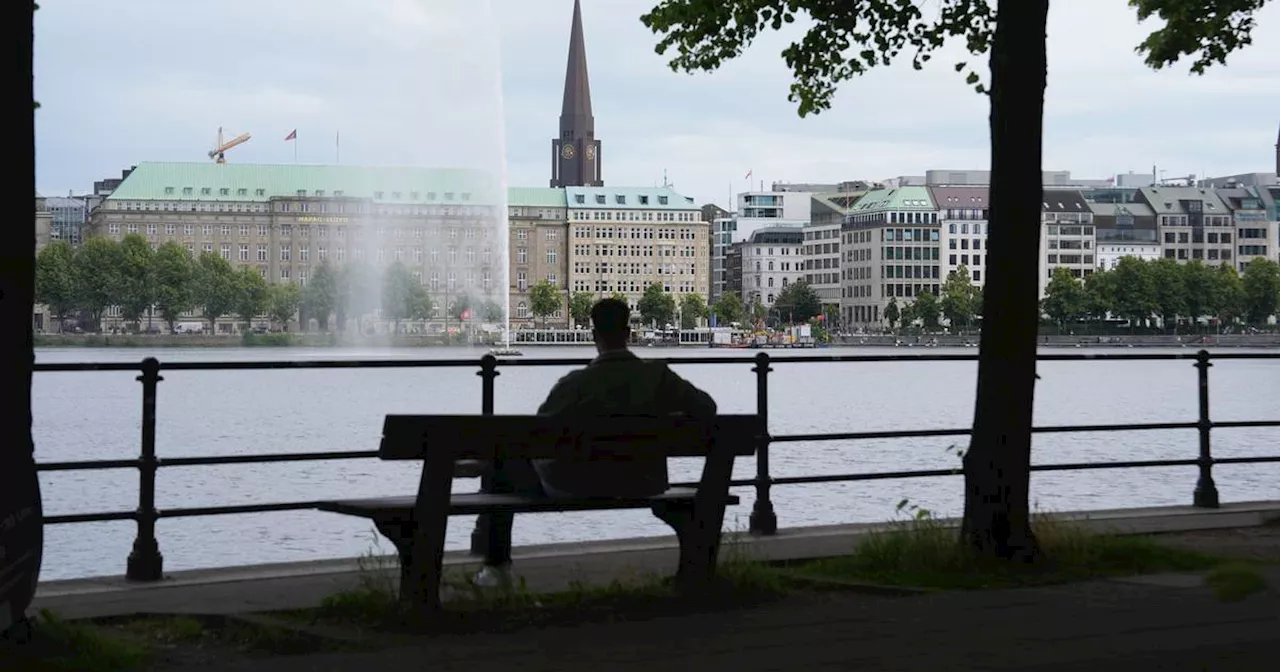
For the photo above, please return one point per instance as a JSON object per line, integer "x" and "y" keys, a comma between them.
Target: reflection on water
{"x": 96, "y": 415}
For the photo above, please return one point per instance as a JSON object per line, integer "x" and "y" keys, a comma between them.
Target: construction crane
{"x": 218, "y": 154}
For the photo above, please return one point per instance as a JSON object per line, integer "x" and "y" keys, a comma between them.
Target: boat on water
{"x": 505, "y": 352}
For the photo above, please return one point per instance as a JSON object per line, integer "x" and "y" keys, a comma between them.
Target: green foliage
{"x": 251, "y": 295}
{"x": 1261, "y": 288}
{"x": 797, "y": 303}
{"x": 97, "y": 271}
{"x": 282, "y": 303}
{"x": 217, "y": 288}
{"x": 174, "y": 277}
{"x": 926, "y": 309}
{"x": 846, "y": 39}
{"x": 544, "y": 300}
{"x": 728, "y": 308}
{"x": 1170, "y": 297}
{"x": 320, "y": 296}
{"x": 758, "y": 311}
{"x": 55, "y": 282}
{"x": 1232, "y": 582}
{"x": 1065, "y": 299}
{"x": 1209, "y": 31}
{"x": 66, "y": 646}
{"x": 657, "y": 307}
{"x": 403, "y": 296}
{"x": 137, "y": 288}
{"x": 960, "y": 302}
{"x": 1137, "y": 290}
{"x": 692, "y": 309}
{"x": 580, "y": 306}
{"x": 921, "y": 551}
{"x": 892, "y": 313}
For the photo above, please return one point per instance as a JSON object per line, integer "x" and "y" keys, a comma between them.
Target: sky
{"x": 462, "y": 83}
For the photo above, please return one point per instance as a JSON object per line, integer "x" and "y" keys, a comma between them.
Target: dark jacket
{"x": 618, "y": 383}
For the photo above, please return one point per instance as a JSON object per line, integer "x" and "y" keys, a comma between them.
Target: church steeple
{"x": 1278, "y": 152}
{"x": 575, "y": 159}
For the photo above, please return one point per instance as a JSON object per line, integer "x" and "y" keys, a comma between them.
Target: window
{"x": 551, "y": 256}
{"x": 285, "y": 252}
{"x": 244, "y": 252}
{"x": 522, "y": 310}
{"x": 262, "y": 253}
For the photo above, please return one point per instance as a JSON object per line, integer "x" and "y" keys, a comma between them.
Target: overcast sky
{"x": 447, "y": 82}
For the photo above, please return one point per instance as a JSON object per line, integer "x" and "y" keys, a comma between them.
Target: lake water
{"x": 96, "y": 415}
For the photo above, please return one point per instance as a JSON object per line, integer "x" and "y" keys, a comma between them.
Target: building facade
{"x": 1192, "y": 223}
{"x": 1255, "y": 232}
{"x": 772, "y": 260}
{"x": 538, "y": 251}
{"x": 621, "y": 240}
{"x": 962, "y": 218}
{"x": 822, "y": 245}
{"x": 756, "y": 210}
{"x": 1068, "y": 239}
{"x": 1124, "y": 230}
{"x": 892, "y": 250}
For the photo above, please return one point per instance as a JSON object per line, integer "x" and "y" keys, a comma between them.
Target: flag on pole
{"x": 293, "y": 135}
{"x": 749, "y": 174}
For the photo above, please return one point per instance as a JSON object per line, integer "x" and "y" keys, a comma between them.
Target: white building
{"x": 1124, "y": 230}
{"x": 756, "y": 210}
{"x": 962, "y": 214}
{"x": 1068, "y": 239}
{"x": 771, "y": 260}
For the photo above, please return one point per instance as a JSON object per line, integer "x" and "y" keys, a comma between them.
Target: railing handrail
{"x": 145, "y": 561}
{"x": 243, "y": 365}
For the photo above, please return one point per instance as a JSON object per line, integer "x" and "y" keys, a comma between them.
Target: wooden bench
{"x": 416, "y": 524}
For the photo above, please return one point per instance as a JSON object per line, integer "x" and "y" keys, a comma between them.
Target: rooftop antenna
{"x": 665, "y": 184}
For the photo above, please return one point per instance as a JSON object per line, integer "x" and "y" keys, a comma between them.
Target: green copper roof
{"x": 241, "y": 182}
{"x": 535, "y": 197}
{"x": 628, "y": 198}
{"x": 901, "y": 198}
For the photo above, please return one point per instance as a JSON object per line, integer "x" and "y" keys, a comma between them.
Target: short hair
{"x": 611, "y": 318}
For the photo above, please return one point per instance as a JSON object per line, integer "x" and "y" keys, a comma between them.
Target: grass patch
{"x": 57, "y": 645}
{"x": 375, "y": 606}
{"x": 925, "y": 553}
{"x": 1234, "y": 581}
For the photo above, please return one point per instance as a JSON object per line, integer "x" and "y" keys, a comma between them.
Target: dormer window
{"x": 431, "y": 195}
{"x": 319, "y": 193}
{"x": 224, "y": 192}
{"x": 242, "y": 192}
{"x": 413, "y": 195}
{"x": 448, "y": 195}
{"x": 622, "y": 200}
{"x": 301, "y": 193}
{"x": 600, "y": 199}
{"x": 662, "y": 200}
{"x": 377, "y": 195}
{"x": 466, "y": 196}
{"x": 579, "y": 199}
{"x": 206, "y": 191}
{"x": 337, "y": 193}
{"x": 395, "y": 195}
{"x": 168, "y": 190}
{"x": 259, "y": 192}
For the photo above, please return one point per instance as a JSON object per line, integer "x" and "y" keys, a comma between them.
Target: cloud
{"x": 470, "y": 82}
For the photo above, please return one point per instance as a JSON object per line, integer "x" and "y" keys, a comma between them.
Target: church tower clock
{"x": 575, "y": 159}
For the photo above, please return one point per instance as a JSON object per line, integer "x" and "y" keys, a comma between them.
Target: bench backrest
{"x": 486, "y": 437}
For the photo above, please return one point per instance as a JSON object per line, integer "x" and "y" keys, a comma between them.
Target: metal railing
{"x": 145, "y": 562}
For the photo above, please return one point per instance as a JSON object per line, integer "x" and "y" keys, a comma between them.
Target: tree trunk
{"x": 997, "y": 465}
{"x": 21, "y": 534}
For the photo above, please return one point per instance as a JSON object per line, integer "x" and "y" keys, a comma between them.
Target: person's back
{"x": 617, "y": 383}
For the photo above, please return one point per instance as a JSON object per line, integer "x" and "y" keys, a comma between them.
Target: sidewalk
{"x": 1151, "y": 623}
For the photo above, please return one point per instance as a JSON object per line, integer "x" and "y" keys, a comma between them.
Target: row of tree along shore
{"x": 168, "y": 285}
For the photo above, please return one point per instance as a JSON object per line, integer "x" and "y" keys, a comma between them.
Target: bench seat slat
{"x": 401, "y": 508}
{"x": 485, "y": 437}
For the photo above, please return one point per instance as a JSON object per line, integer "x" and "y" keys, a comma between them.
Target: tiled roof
{"x": 628, "y": 198}
{"x": 241, "y": 182}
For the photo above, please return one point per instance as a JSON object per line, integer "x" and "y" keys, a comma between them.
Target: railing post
{"x": 488, "y": 372}
{"x": 1206, "y": 493}
{"x": 763, "y": 520}
{"x": 145, "y": 561}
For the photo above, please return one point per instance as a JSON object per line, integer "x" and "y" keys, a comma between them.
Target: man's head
{"x": 610, "y": 324}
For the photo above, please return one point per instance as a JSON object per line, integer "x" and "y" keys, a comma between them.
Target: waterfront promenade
{"x": 1162, "y": 622}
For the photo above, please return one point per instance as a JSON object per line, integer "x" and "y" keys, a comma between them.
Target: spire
{"x": 576, "y": 159}
{"x": 577, "y": 86}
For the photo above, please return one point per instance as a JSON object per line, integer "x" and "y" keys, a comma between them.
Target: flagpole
{"x": 337, "y": 146}
{"x": 295, "y": 147}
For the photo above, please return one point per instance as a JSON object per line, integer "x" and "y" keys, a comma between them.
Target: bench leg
{"x": 400, "y": 533}
{"x": 698, "y": 547}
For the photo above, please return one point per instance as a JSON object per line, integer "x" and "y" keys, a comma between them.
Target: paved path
{"x": 1154, "y": 623}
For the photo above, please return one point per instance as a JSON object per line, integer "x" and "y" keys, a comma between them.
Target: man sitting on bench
{"x": 616, "y": 382}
